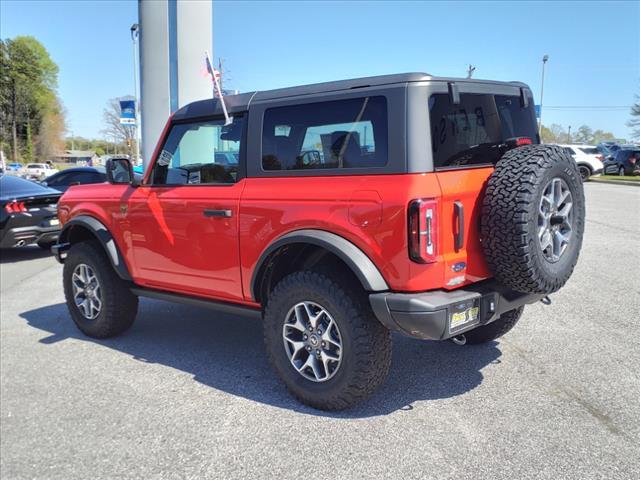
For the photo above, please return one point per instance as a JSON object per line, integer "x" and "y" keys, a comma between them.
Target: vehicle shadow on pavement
{"x": 226, "y": 352}
{"x": 30, "y": 252}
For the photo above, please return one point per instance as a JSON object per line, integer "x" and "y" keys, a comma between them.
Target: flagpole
{"x": 216, "y": 88}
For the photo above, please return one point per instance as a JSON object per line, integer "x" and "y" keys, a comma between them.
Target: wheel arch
{"x": 85, "y": 227}
{"x": 310, "y": 246}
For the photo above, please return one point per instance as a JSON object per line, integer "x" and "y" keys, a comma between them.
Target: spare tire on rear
{"x": 533, "y": 218}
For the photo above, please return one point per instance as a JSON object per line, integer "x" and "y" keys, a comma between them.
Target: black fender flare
{"x": 102, "y": 234}
{"x": 359, "y": 263}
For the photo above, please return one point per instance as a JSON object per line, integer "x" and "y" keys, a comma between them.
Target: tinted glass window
{"x": 15, "y": 186}
{"x": 569, "y": 150}
{"x": 590, "y": 150}
{"x": 340, "y": 134}
{"x": 199, "y": 153}
{"x": 58, "y": 179}
{"x": 474, "y": 131}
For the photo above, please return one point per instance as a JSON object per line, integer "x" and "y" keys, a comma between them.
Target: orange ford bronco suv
{"x": 336, "y": 213}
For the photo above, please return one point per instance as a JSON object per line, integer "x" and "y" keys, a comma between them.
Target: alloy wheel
{"x": 555, "y": 219}
{"x": 312, "y": 341}
{"x": 87, "y": 293}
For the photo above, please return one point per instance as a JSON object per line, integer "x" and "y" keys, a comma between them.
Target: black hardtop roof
{"x": 240, "y": 102}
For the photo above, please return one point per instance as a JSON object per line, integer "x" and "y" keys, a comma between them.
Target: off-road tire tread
{"x": 371, "y": 345}
{"x": 511, "y": 190}
{"x": 119, "y": 305}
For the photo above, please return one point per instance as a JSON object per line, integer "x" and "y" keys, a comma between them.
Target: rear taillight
{"x": 15, "y": 207}
{"x": 600, "y": 157}
{"x": 517, "y": 142}
{"x": 423, "y": 230}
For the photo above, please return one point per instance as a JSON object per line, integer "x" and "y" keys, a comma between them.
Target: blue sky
{"x": 594, "y": 48}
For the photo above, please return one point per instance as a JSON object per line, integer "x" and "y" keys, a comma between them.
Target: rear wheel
{"x": 99, "y": 301}
{"x": 585, "y": 172}
{"x": 495, "y": 329}
{"x": 324, "y": 341}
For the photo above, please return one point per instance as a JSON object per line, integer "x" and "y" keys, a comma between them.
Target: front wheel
{"x": 324, "y": 341}
{"x": 98, "y": 300}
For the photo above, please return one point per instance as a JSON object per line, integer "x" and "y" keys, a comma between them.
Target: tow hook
{"x": 545, "y": 300}
{"x": 459, "y": 339}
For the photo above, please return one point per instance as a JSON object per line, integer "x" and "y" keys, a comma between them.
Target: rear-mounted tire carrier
{"x": 532, "y": 219}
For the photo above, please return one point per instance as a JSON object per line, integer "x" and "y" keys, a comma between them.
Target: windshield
{"x": 473, "y": 131}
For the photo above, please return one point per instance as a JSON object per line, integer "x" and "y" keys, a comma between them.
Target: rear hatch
{"x": 468, "y": 138}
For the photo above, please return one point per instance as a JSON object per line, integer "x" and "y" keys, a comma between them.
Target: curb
{"x": 616, "y": 182}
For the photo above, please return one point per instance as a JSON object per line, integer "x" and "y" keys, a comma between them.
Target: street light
{"x": 544, "y": 62}
{"x": 135, "y": 32}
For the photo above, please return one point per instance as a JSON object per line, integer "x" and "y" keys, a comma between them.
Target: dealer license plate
{"x": 464, "y": 317}
{"x": 54, "y": 221}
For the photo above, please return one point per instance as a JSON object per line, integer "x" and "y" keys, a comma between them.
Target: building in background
{"x": 78, "y": 157}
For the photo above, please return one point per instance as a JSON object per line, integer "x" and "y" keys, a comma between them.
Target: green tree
{"x": 602, "y": 136}
{"x": 28, "y": 144}
{"x": 634, "y": 121}
{"x": 584, "y": 134}
{"x": 554, "y": 134}
{"x": 28, "y": 83}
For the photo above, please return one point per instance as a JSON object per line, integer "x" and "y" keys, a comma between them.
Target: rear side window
{"x": 328, "y": 135}
{"x": 590, "y": 150}
{"x": 473, "y": 131}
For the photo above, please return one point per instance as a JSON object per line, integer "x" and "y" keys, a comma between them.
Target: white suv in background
{"x": 39, "y": 171}
{"x": 588, "y": 158}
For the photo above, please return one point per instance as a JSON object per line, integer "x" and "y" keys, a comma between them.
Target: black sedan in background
{"x": 626, "y": 161}
{"x": 61, "y": 181}
{"x": 28, "y": 213}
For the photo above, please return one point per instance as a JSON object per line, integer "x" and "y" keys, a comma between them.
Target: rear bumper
{"x": 428, "y": 315}
{"x": 19, "y": 236}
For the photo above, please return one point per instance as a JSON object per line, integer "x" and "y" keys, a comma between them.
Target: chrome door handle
{"x": 208, "y": 212}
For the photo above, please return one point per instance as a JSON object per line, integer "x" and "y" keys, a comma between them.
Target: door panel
{"x": 177, "y": 247}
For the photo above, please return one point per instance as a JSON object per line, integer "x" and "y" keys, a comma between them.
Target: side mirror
{"x": 120, "y": 172}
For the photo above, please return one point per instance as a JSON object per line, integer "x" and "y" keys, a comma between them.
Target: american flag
{"x": 217, "y": 91}
{"x": 212, "y": 71}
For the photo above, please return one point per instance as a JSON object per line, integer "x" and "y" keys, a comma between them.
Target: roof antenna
{"x": 470, "y": 70}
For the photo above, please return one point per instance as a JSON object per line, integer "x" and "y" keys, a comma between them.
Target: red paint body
{"x": 169, "y": 245}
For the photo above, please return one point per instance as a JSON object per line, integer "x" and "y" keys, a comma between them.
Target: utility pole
{"x": 569, "y": 134}
{"x": 544, "y": 62}
{"x": 470, "y": 70}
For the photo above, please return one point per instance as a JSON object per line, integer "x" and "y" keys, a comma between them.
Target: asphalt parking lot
{"x": 187, "y": 395}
